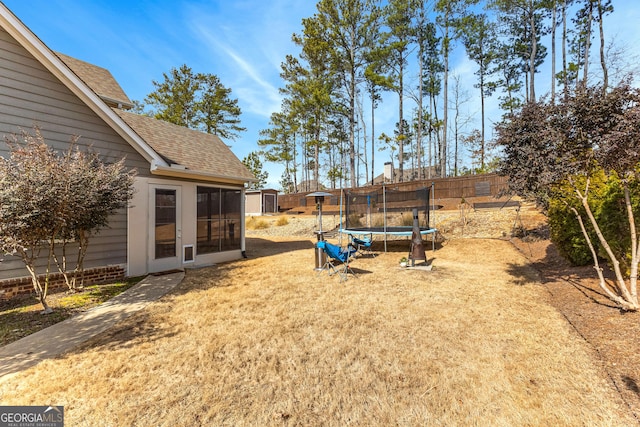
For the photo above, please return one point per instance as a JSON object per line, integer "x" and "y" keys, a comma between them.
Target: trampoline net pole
{"x": 433, "y": 235}
{"x": 384, "y": 204}
{"x": 348, "y": 210}
{"x": 341, "y": 207}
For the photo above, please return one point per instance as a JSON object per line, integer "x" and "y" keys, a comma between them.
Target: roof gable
{"x": 195, "y": 151}
{"x": 100, "y": 80}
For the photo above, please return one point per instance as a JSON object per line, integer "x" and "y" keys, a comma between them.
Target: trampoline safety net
{"x": 369, "y": 209}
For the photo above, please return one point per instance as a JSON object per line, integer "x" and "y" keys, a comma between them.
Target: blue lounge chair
{"x": 337, "y": 259}
{"x": 362, "y": 245}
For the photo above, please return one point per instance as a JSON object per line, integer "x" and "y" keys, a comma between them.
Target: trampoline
{"x": 389, "y": 231}
{"x": 361, "y": 206}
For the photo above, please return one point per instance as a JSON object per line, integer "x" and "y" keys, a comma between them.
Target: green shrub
{"x": 564, "y": 228}
{"x": 566, "y": 234}
{"x": 606, "y": 199}
{"x": 611, "y": 215}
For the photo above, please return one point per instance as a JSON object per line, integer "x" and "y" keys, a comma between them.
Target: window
{"x": 165, "y": 223}
{"x": 219, "y": 218}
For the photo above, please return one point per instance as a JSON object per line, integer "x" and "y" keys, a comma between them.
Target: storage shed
{"x": 261, "y": 202}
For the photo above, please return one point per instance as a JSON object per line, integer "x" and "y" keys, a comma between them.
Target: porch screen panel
{"x": 230, "y": 210}
{"x": 165, "y": 226}
{"x": 219, "y": 218}
{"x": 208, "y": 220}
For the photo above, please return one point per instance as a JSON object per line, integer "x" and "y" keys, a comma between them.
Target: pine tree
{"x": 254, "y": 164}
{"x": 197, "y": 101}
{"x": 175, "y": 98}
{"x": 395, "y": 47}
{"x": 218, "y": 114}
{"x": 480, "y": 40}
{"x": 279, "y": 145}
{"x": 350, "y": 27}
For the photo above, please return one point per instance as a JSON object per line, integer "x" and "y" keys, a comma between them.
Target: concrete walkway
{"x": 64, "y": 336}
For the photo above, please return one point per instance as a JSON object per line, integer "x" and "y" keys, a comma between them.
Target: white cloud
{"x": 250, "y": 40}
{"x": 258, "y": 94}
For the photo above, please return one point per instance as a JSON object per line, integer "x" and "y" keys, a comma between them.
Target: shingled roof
{"x": 100, "y": 80}
{"x": 194, "y": 150}
{"x": 184, "y": 149}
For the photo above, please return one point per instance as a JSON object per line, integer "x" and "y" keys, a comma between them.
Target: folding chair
{"x": 362, "y": 245}
{"x": 337, "y": 255}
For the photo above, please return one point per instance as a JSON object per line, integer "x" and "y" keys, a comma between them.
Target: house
{"x": 310, "y": 185}
{"x": 188, "y": 208}
{"x": 392, "y": 175}
{"x": 260, "y": 202}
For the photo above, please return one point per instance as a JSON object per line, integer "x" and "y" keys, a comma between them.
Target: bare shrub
{"x": 282, "y": 220}
{"x": 256, "y": 224}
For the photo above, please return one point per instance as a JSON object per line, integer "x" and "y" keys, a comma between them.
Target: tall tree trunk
{"x": 400, "y": 121}
{"x": 352, "y": 128}
{"x": 456, "y": 129}
{"x": 605, "y": 71}
{"x": 482, "y": 153}
{"x": 373, "y": 134}
{"x": 295, "y": 169}
{"x": 420, "y": 114}
{"x": 315, "y": 178}
{"x": 564, "y": 50}
{"x": 436, "y": 142}
{"x": 343, "y": 161}
{"x": 554, "y": 24}
{"x": 532, "y": 58}
{"x": 364, "y": 139}
{"x": 445, "y": 94}
{"x": 307, "y": 169}
{"x": 432, "y": 103}
{"x": 587, "y": 42}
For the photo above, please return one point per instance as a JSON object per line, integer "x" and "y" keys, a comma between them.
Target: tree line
{"x": 352, "y": 52}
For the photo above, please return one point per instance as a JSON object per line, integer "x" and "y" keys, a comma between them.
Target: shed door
{"x": 269, "y": 203}
{"x": 165, "y": 228}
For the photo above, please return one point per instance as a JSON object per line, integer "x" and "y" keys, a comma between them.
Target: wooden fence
{"x": 443, "y": 188}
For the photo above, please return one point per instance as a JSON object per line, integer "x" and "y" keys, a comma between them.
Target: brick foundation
{"x": 10, "y": 288}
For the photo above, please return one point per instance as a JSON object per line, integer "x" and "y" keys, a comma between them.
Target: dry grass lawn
{"x": 267, "y": 341}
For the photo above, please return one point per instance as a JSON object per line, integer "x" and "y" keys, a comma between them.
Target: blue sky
{"x": 241, "y": 41}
